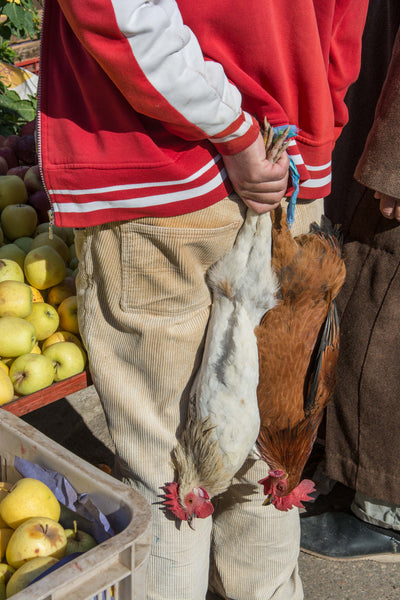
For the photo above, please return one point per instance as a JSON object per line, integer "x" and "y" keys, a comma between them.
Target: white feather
{"x": 225, "y": 391}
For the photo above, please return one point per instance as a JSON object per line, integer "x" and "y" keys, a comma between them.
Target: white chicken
{"x": 224, "y": 421}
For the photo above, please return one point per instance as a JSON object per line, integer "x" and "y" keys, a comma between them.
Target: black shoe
{"x": 342, "y": 536}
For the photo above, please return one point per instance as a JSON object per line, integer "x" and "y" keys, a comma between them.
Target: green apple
{"x": 45, "y": 319}
{"x": 38, "y": 536}
{"x": 13, "y": 252}
{"x": 10, "y": 269}
{"x": 44, "y": 267}
{"x": 73, "y": 263}
{"x": 1, "y": 236}
{"x": 16, "y": 299}
{"x": 12, "y": 191}
{"x": 17, "y": 336}
{"x": 62, "y": 232}
{"x": 27, "y": 573}
{"x": 24, "y": 243}
{"x": 27, "y": 498}
{"x": 70, "y": 233}
{"x": 78, "y": 540}
{"x": 31, "y": 372}
{"x": 43, "y": 239}
{"x": 71, "y": 252}
{"x": 18, "y": 220}
{"x": 6, "y": 389}
{"x": 68, "y": 359}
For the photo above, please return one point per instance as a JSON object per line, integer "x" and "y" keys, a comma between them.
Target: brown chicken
{"x": 298, "y": 351}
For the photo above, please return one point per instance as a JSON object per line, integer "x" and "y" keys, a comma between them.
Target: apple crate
{"x": 113, "y": 570}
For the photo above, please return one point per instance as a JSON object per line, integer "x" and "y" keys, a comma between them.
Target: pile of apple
{"x": 32, "y": 539}
{"x": 39, "y": 334}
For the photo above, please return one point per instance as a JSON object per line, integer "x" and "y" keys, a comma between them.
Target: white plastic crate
{"x": 113, "y": 570}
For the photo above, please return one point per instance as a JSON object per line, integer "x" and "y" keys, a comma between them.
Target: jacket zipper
{"x": 50, "y": 212}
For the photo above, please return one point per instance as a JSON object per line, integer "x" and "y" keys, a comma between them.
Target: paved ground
{"x": 78, "y": 423}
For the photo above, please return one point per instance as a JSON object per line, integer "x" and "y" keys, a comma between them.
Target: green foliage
{"x": 22, "y": 20}
{"x": 19, "y": 21}
{"x": 14, "y": 112}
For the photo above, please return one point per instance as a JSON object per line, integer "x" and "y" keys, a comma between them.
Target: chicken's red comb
{"x": 296, "y": 497}
{"x": 172, "y": 501}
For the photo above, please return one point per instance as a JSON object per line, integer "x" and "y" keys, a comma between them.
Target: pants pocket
{"x": 163, "y": 266}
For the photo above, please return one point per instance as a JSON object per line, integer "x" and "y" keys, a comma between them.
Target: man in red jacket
{"x": 148, "y": 121}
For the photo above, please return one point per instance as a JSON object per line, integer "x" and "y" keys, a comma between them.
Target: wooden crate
{"x": 26, "y": 404}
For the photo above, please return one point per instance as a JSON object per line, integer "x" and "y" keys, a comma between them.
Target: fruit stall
{"x": 42, "y": 358}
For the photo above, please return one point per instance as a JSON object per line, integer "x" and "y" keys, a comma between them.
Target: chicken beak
{"x": 190, "y": 521}
{"x": 268, "y": 500}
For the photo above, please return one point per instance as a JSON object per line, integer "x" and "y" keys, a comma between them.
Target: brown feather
{"x": 293, "y": 364}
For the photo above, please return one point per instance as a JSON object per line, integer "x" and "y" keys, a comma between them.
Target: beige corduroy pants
{"x": 143, "y": 307}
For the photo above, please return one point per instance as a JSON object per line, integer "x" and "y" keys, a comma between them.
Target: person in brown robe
{"x": 362, "y": 445}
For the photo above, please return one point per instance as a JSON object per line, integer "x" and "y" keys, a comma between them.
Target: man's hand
{"x": 258, "y": 182}
{"x": 389, "y": 206}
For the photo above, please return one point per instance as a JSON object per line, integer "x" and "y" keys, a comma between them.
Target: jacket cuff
{"x": 238, "y": 136}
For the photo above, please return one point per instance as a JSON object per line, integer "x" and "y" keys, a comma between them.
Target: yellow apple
{"x": 63, "y": 290}
{"x": 12, "y": 191}
{"x": 43, "y": 239}
{"x": 36, "y": 295}
{"x": 10, "y": 269}
{"x": 68, "y": 313}
{"x": 17, "y": 336}
{"x": 38, "y": 536}
{"x": 15, "y": 299}
{"x": 31, "y": 372}
{"x": 18, "y": 220}
{"x": 5, "y": 535}
{"x": 13, "y": 252}
{"x": 5, "y": 572}
{"x": 60, "y": 336}
{"x": 4, "y": 367}
{"x": 44, "y": 267}
{"x": 28, "y": 498}
{"x": 5, "y": 487}
{"x": 6, "y": 389}
{"x": 44, "y": 318}
{"x": 68, "y": 359}
{"x": 29, "y": 571}
{"x": 24, "y": 243}
{"x": 7, "y": 361}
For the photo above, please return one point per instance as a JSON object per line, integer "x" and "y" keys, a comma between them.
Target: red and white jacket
{"x": 139, "y": 99}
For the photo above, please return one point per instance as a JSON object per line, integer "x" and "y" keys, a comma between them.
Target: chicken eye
{"x": 189, "y": 500}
